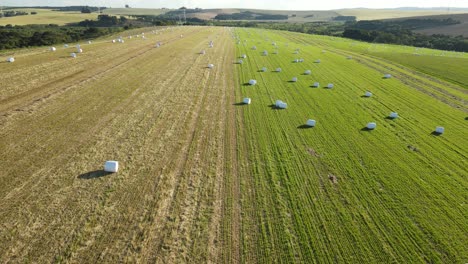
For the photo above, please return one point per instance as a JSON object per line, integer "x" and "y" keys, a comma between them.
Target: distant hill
{"x": 452, "y": 30}
{"x": 403, "y": 12}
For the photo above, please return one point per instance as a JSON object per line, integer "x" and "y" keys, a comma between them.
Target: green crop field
{"x": 46, "y": 16}
{"x": 206, "y": 178}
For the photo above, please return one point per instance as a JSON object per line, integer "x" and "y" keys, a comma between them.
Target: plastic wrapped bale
{"x": 301, "y": 60}
{"x": 73, "y": 55}
{"x": 296, "y": 52}
{"x": 111, "y": 166}
{"x": 78, "y": 46}
{"x": 264, "y": 69}
{"x": 11, "y": 59}
{"x": 330, "y": 85}
{"x": 283, "y": 105}
{"x": 349, "y": 57}
{"x": 79, "y": 50}
{"x": 393, "y": 115}
{"x": 203, "y": 52}
{"x": 296, "y": 61}
{"x": 254, "y": 48}
{"x": 65, "y": 45}
{"x": 113, "y": 41}
{"x": 53, "y": 49}
{"x": 246, "y": 100}
{"x": 278, "y": 102}
{"x": 294, "y": 79}
{"x": 387, "y": 76}
{"x": 211, "y": 66}
{"x": 316, "y": 84}
{"x": 317, "y": 61}
{"x": 244, "y": 56}
{"x": 308, "y": 72}
{"x": 368, "y": 94}
{"x": 278, "y": 69}
{"x": 240, "y": 61}
{"x": 265, "y": 53}
{"x": 439, "y": 130}
{"x": 371, "y": 125}
{"x": 310, "y": 123}
{"x": 252, "y": 82}
{"x": 89, "y": 42}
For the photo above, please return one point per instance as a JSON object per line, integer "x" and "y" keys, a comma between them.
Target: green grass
{"x": 46, "y": 16}
{"x": 391, "y": 204}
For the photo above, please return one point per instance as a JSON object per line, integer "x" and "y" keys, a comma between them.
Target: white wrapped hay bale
{"x": 264, "y": 69}
{"x": 371, "y": 125}
{"x": 240, "y": 61}
{"x": 89, "y": 42}
{"x": 244, "y": 56}
{"x": 254, "y": 48}
{"x": 330, "y": 85}
{"x": 301, "y": 60}
{"x": 280, "y": 104}
{"x": 11, "y": 59}
{"x": 317, "y": 61}
{"x": 296, "y": 61}
{"x": 203, "y": 52}
{"x": 368, "y": 94}
{"x": 387, "y": 76}
{"x": 310, "y": 123}
{"x": 316, "y": 84}
{"x": 393, "y": 115}
{"x": 53, "y": 49}
{"x": 65, "y": 45}
{"x": 278, "y": 69}
{"x": 211, "y": 66}
{"x": 73, "y": 55}
{"x": 79, "y": 50}
{"x": 246, "y": 101}
{"x": 113, "y": 41}
{"x": 111, "y": 166}
{"x": 308, "y": 72}
{"x": 265, "y": 53}
{"x": 294, "y": 79}
{"x": 252, "y": 82}
{"x": 440, "y": 130}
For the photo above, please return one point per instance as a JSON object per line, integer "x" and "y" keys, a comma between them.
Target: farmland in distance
{"x": 205, "y": 178}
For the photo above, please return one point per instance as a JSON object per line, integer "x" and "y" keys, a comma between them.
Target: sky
{"x": 257, "y": 4}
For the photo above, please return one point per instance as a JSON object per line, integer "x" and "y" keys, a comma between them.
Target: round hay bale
{"x": 11, "y": 59}
{"x": 393, "y": 115}
{"x": 246, "y": 101}
{"x": 440, "y": 130}
{"x": 111, "y": 166}
{"x": 53, "y": 49}
{"x": 73, "y": 55}
{"x": 308, "y": 72}
{"x": 371, "y": 125}
{"x": 387, "y": 76}
{"x": 316, "y": 84}
{"x": 264, "y": 69}
{"x": 294, "y": 79}
{"x": 330, "y": 86}
{"x": 310, "y": 123}
{"x": 252, "y": 82}
{"x": 211, "y": 66}
{"x": 368, "y": 94}
{"x": 278, "y": 69}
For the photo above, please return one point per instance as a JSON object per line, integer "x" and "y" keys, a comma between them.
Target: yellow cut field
{"x": 46, "y": 16}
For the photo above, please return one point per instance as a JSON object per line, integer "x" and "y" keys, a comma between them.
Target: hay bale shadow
{"x": 304, "y": 126}
{"x": 366, "y": 129}
{"x": 435, "y": 133}
{"x": 94, "y": 175}
{"x": 239, "y": 104}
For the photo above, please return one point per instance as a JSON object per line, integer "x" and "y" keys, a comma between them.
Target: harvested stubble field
{"x": 204, "y": 178}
